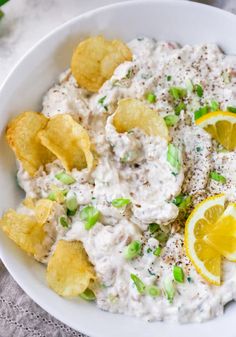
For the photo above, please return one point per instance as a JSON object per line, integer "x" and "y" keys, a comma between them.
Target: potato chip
{"x": 69, "y": 141}
{"x": 24, "y": 230}
{"x": 43, "y": 210}
{"x": 95, "y": 59}
{"x": 69, "y": 271}
{"x": 22, "y": 136}
{"x": 132, "y": 113}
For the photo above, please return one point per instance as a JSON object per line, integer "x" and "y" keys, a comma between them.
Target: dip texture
{"x": 134, "y": 166}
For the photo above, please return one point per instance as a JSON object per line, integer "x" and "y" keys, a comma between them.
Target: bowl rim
{"x": 31, "y": 293}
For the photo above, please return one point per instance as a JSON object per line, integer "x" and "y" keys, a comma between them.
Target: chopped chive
{"x": 153, "y": 227}
{"x": 168, "y": 78}
{"x": 174, "y": 157}
{"x": 65, "y": 178}
{"x": 215, "y": 106}
{"x": 217, "y": 177}
{"x": 199, "y": 90}
{"x": 128, "y": 75}
{"x": 101, "y": 101}
{"x": 132, "y": 250}
{"x": 153, "y": 291}
{"x": 151, "y": 97}
{"x": 120, "y": 202}
{"x": 178, "y": 274}
{"x": 180, "y": 107}
{"x": 52, "y": 196}
{"x": 170, "y": 120}
{"x": 138, "y": 283}
{"x": 63, "y": 221}
{"x": 169, "y": 289}
{"x": 201, "y": 112}
{"x": 88, "y": 295}
{"x": 71, "y": 203}
{"x": 71, "y": 213}
{"x": 189, "y": 85}
{"x": 90, "y": 215}
{"x": 157, "y": 251}
{"x": 231, "y": 109}
{"x": 177, "y": 92}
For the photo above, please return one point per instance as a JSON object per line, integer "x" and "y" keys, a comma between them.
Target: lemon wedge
{"x": 222, "y": 127}
{"x": 205, "y": 258}
{"x": 223, "y": 236}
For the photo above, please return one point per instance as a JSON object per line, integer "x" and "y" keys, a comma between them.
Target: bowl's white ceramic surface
{"x": 184, "y": 22}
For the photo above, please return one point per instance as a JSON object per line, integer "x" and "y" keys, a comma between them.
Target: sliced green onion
{"x": 71, "y": 213}
{"x": 217, "y": 177}
{"x": 71, "y": 203}
{"x": 199, "y": 90}
{"x": 151, "y": 97}
{"x": 179, "y": 199}
{"x": 153, "y": 227}
{"x": 178, "y": 274}
{"x": 215, "y": 105}
{"x": 189, "y": 85}
{"x": 183, "y": 201}
{"x": 153, "y": 291}
{"x": 231, "y": 109}
{"x": 65, "y": 178}
{"x": 169, "y": 289}
{"x": 162, "y": 237}
{"x": 101, "y": 101}
{"x": 128, "y": 75}
{"x": 52, "y": 196}
{"x": 174, "y": 157}
{"x": 120, "y": 202}
{"x": 88, "y": 295}
{"x": 168, "y": 78}
{"x": 177, "y": 92}
{"x": 138, "y": 283}
{"x": 63, "y": 221}
{"x": 149, "y": 250}
{"x": 201, "y": 112}
{"x": 157, "y": 251}
{"x": 90, "y": 215}
{"x": 170, "y": 120}
{"x": 180, "y": 107}
{"x": 132, "y": 250}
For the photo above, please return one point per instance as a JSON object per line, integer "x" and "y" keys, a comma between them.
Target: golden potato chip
{"x": 29, "y": 203}
{"x": 95, "y": 59}
{"x": 69, "y": 271}
{"x": 22, "y": 136}
{"x": 43, "y": 209}
{"x": 69, "y": 141}
{"x": 132, "y": 113}
{"x": 24, "y": 230}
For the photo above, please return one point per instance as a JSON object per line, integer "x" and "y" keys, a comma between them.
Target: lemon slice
{"x": 205, "y": 258}
{"x": 223, "y": 236}
{"x": 222, "y": 127}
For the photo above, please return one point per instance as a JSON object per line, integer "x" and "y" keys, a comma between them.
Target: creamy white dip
{"x": 134, "y": 166}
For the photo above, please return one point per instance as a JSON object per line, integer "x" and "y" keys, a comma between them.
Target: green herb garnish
{"x": 199, "y": 90}
{"x": 153, "y": 291}
{"x": 65, "y": 178}
{"x": 128, "y": 75}
{"x": 214, "y": 106}
{"x": 170, "y": 120}
{"x": 153, "y": 227}
{"x": 189, "y": 279}
{"x": 157, "y": 251}
{"x": 88, "y": 295}
{"x": 169, "y": 289}
{"x": 151, "y": 97}
{"x": 90, "y": 215}
{"x": 217, "y": 177}
{"x": 168, "y": 78}
{"x": 63, "y": 221}
{"x": 138, "y": 283}
{"x": 177, "y": 93}
{"x": 231, "y": 109}
{"x": 71, "y": 203}
{"x": 178, "y": 274}
{"x": 174, "y": 157}
{"x": 2, "y": 2}
{"x": 101, "y": 101}
{"x": 182, "y": 201}
{"x": 180, "y": 107}
{"x": 201, "y": 112}
{"x": 120, "y": 202}
{"x": 132, "y": 250}
{"x": 198, "y": 149}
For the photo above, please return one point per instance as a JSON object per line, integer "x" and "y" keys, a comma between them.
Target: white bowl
{"x": 180, "y": 21}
